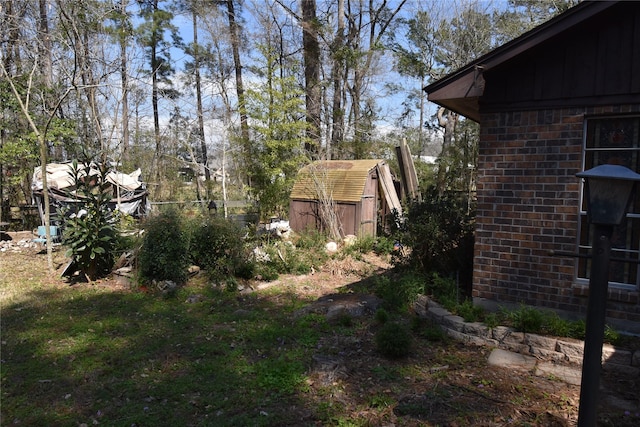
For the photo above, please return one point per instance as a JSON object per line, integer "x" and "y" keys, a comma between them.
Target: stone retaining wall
{"x": 560, "y": 350}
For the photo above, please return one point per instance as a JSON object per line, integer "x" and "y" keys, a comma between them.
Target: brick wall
{"x": 528, "y": 197}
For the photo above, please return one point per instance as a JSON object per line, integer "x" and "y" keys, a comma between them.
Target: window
{"x": 614, "y": 140}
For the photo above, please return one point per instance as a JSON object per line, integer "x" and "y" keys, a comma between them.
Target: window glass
{"x": 614, "y": 140}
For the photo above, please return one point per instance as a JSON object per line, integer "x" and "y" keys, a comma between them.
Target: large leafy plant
{"x": 90, "y": 231}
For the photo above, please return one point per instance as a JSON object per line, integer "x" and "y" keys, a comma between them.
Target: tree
{"x": 122, "y": 32}
{"x": 151, "y": 36}
{"x": 366, "y": 27}
{"x": 193, "y": 70}
{"x": 337, "y": 77}
{"x": 234, "y": 33}
{"x": 416, "y": 59}
{"x": 311, "y": 56}
{"x": 276, "y": 109}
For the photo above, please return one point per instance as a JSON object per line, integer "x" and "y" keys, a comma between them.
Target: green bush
{"x": 399, "y": 293}
{"x": 284, "y": 258}
{"x": 393, "y": 340}
{"x": 363, "y": 245}
{"x": 444, "y": 290}
{"x": 428, "y": 329}
{"x": 217, "y": 245}
{"x": 469, "y": 312}
{"x": 164, "y": 252}
{"x": 311, "y": 239}
{"x": 439, "y": 231}
{"x": 527, "y": 319}
{"x": 384, "y": 245}
{"x": 90, "y": 231}
{"x": 382, "y": 316}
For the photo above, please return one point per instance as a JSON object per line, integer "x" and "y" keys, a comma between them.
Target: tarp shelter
{"x": 362, "y": 193}
{"x": 129, "y": 193}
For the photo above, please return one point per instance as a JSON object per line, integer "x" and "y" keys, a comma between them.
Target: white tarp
{"x": 59, "y": 177}
{"x": 129, "y": 193}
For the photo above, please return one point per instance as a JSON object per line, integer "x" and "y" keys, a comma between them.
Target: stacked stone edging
{"x": 560, "y": 350}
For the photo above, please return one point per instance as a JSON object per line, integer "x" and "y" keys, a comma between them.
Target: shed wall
{"x": 304, "y": 214}
{"x": 528, "y": 204}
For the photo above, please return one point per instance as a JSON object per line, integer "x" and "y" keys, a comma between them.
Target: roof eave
{"x": 467, "y": 83}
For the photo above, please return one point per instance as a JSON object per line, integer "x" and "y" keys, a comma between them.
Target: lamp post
{"x": 608, "y": 191}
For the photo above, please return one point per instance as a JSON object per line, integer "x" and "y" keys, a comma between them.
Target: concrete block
{"x": 626, "y": 370}
{"x": 500, "y": 332}
{"x": 546, "y": 343}
{"x": 567, "y": 374}
{"x": 611, "y": 354}
{"x": 572, "y": 350}
{"x": 545, "y": 354}
{"x": 512, "y": 360}
{"x": 453, "y": 322}
{"x": 478, "y": 329}
{"x": 438, "y": 312}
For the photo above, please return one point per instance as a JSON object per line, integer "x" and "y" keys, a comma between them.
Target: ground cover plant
{"x": 114, "y": 355}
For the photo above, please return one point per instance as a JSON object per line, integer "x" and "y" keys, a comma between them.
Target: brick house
{"x": 562, "y": 98}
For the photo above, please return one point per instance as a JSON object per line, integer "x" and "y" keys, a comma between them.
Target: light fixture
{"x": 609, "y": 189}
{"x": 608, "y": 192}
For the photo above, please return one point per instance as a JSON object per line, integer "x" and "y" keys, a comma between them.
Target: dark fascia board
{"x": 467, "y": 82}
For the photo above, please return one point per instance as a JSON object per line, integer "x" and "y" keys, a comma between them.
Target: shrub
{"x": 469, "y": 312}
{"x": 381, "y": 316}
{"x": 90, "y": 231}
{"x": 217, "y": 246}
{"x": 311, "y": 239}
{"x": 527, "y": 319}
{"x": 400, "y": 292}
{"x": 164, "y": 252}
{"x": 444, "y": 290}
{"x": 384, "y": 245}
{"x": 363, "y": 245}
{"x": 439, "y": 232}
{"x": 393, "y": 340}
{"x": 428, "y": 329}
{"x": 281, "y": 257}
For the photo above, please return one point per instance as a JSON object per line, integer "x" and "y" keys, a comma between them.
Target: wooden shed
{"x": 562, "y": 98}
{"x": 361, "y": 193}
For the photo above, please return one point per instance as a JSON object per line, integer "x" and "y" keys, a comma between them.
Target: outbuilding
{"x": 355, "y": 194}
{"x": 562, "y": 98}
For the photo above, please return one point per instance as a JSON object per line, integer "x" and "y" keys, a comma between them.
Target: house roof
{"x": 461, "y": 90}
{"x": 340, "y": 180}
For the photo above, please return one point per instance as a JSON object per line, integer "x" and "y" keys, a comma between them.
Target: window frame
{"x": 630, "y": 229}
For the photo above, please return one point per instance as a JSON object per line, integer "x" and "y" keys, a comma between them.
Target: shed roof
{"x": 341, "y": 180}
{"x": 461, "y": 90}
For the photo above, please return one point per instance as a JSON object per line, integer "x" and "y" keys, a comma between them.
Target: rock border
{"x": 554, "y": 349}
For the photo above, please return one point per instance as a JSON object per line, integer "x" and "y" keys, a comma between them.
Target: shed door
{"x": 368, "y": 215}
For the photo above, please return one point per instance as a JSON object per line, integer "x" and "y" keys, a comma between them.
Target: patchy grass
{"x": 103, "y": 354}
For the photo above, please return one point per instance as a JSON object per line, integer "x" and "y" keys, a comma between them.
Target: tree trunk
{"x": 196, "y": 66}
{"x": 448, "y": 123}
{"x": 337, "y": 75}
{"x": 235, "y": 47}
{"x": 311, "y": 49}
{"x": 124, "y": 78}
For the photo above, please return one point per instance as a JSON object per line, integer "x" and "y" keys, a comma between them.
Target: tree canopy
{"x": 244, "y": 90}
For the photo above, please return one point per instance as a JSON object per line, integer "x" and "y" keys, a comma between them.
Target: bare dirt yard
{"x": 441, "y": 383}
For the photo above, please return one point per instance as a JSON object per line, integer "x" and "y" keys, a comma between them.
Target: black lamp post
{"x": 608, "y": 191}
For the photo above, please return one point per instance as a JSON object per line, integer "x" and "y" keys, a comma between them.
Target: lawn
{"x": 111, "y": 355}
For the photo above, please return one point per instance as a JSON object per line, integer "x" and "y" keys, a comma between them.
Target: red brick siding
{"x": 528, "y": 204}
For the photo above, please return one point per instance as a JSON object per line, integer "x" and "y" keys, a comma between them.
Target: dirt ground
{"x": 446, "y": 384}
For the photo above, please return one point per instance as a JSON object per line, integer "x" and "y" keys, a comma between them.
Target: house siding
{"x": 528, "y": 205}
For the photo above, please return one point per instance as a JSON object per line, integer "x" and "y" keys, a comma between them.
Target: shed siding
{"x": 528, "y": 201}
